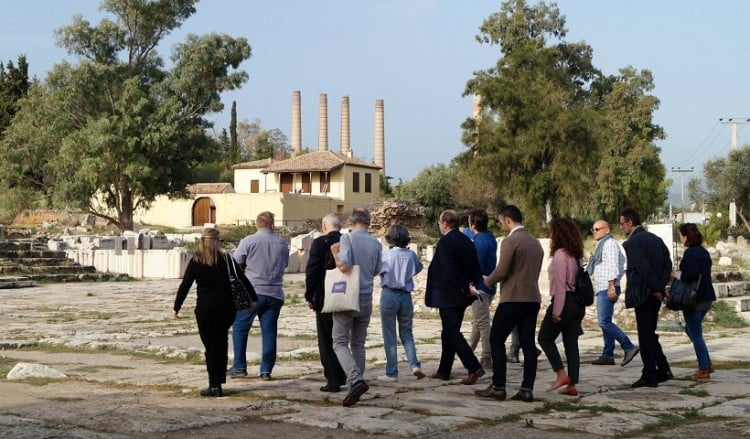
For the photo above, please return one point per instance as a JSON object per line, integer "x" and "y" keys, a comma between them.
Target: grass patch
{"x": 564, "y": 406}
{"x": 190, "y": 357}
{"x": 718, "y": 364}
{"x": 694, "y": 392}
{"x": 724, "y": 315}
{"x": 307, "y": 356}
{"x": 94, "y": 369}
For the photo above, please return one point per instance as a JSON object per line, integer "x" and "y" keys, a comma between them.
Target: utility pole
{"x": 734, "y": 121}
{"x": 682, "y": 187}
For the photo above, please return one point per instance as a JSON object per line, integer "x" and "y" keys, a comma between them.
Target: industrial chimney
{"x": 323, "y": 123}
{"x": 379, "y": 136}
{"x": 296, "y": 122}
{"x": 346, "y": 146}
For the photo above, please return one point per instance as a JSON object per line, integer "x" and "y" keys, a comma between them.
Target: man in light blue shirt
{"x": 265, "y": 256}
{"x": 607, "y": 266}
{"x": 350, "y": 327}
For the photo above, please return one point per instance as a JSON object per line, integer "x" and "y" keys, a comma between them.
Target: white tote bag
{"x": 342, "y": 290}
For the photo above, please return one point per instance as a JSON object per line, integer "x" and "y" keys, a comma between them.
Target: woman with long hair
{"x": 214, "y": 309}
{"x": 564, "y": 313}
{"x": 696, "y": 263}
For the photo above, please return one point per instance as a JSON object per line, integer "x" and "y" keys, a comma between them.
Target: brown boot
{"x": 702, "y": 374}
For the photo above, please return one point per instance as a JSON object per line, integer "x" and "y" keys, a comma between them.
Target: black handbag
{"x": 683, "y": 295}
{"x": 241, "y": 296}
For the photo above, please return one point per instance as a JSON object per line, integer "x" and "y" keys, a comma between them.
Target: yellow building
{"x": 303, "y": 187}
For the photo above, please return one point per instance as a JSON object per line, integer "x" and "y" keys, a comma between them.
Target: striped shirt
{"x": 611, "y": 267}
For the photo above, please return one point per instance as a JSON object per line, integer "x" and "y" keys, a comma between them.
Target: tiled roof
{"x": 210, "y": 188}
{"x": 315, "y": 161}
{"x": 255, "y": 164}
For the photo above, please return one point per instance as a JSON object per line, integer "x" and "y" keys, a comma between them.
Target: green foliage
{"x": 13, "y": 201}
{"x": 385, "y": 187}
{"x": 722, "y": 314}
{"x": 554, "y": 135}
{"x": 237, "y": 233}
{"x": 257, "y": 143}
{"x": 431, "y": 188}
{"x": 119, "y": 129}
{"x": 14, "y": 84}
{"x": 727, "y": 179}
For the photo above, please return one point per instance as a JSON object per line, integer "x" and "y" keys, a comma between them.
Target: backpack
{"x": 584, "y": 287}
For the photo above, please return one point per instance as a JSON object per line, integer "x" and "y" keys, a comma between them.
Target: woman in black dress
{"x": 214, "y": 308}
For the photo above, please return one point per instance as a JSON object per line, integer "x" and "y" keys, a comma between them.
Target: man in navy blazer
{"x": 648, "y": 272}
{"x": 453, "y": 272}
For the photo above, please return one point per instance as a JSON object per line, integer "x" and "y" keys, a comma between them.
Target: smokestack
{"x": 346, "y": 146}
{"x": 323, "y": 123}
{"x": 476, "y": 108}
{"x": 296, "y": 122}
{"x": 379, "y": 136}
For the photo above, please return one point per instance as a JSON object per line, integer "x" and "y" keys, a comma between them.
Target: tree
{"x": 431, "y": 188}
{"x": 537, "y": 116}
{"x": 130, "y": 129}
{"x": 258, "y": 143}
{"x": 233, "y": 156}
{"x": 14, "y": 84}
{"x": 548, "y": 116}
{"x": 630, "y": 172}
{"x": 727, "y": 179}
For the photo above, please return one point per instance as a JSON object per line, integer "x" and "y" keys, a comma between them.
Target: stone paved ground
{"x": 135, "y": 372}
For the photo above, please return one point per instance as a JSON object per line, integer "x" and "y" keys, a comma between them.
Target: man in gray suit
{"x": 518, "y": 271}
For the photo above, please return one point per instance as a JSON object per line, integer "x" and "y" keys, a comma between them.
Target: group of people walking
{"x": 463, "y": 273}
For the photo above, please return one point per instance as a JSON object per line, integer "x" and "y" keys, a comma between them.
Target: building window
{"x": 368, "y": 183}
{"x": 254, "y": 186}
{"x": 325, "y": 182}
{"x": 355, "y": 181}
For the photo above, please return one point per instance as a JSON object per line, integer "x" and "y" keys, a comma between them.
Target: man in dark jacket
{"x": 453, "y": 270}
{"x": 648, "y": 271}
{"x": 320, "y": 260}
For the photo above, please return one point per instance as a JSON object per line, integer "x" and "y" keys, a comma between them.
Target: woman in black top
{"x": 695, "y": 263}
{"x": 214, "y": 308}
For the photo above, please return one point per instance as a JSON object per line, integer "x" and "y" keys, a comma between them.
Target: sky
{"x": 417, "y": 55}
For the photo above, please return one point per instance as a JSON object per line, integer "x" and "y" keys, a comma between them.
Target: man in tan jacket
{"x": 518, "y": 273}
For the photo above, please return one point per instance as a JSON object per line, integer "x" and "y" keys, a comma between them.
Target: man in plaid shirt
{"x": 607, "y": 266}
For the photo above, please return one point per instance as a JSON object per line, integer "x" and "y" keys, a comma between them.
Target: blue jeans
{"x": 610, "y": 331}
{"x": 694, "y": 331}
{"x": 397, "y": 305}
{"x": 268, "y": 311}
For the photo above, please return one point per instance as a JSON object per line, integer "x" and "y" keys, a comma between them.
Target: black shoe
{"x": 491, "y": 392}
{"x": 355, "y": 392}
{"x": 212, "y": 391}
{"x": 523, "y": 395}
{"x": 440, "y": 376}
{"x": 665, "y": 376}
{"x": 330, "y": 388}
{"x": 603, "y": 361}
{"x": 265, "y": 376}
{"x": 643, "y": 383}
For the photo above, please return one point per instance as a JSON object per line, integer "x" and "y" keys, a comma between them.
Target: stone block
{"x": 725, "y": 261}
{"x": 741, "y": 242}
{"x": 429, "y": 252}
{"x": 32, "y": 370}
{"x": 144, "y": 242}
{"x": 160, "y": 242}
{"x": 105, "y": 243}
{"x": 301, "y": 242}
{"x": 56, "y": 245}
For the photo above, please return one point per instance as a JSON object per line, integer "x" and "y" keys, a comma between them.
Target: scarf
{"x": 596, "y": 258}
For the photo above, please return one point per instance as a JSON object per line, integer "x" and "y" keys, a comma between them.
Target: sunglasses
{"x": 596, "y": 229}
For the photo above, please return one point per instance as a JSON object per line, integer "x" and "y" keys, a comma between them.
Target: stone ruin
{"x": 389, "y": 211}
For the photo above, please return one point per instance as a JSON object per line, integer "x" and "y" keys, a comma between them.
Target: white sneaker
{"x": 417, "y": 372}
{"x": 387, "y": 378}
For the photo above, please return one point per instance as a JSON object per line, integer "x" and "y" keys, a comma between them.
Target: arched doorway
{"x": 204, "y": 211}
